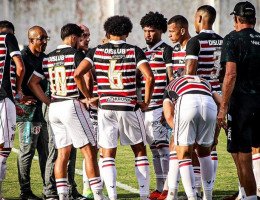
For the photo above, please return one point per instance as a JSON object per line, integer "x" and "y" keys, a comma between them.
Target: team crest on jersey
{"x": 37, "y": 130}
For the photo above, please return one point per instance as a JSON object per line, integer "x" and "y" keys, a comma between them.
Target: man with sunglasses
{"x": 33, "y": 133}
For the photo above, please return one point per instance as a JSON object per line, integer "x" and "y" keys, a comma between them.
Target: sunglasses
{"x": 42, "y": 38}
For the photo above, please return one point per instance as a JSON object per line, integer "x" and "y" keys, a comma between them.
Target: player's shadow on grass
{"x": 217, "y": 195}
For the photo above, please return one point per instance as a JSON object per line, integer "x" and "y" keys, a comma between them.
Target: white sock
{"x": 96, "y": 186}
{"x": 214, "y": 158}
{"x": 172, "y": 194}
{"x": 197, "y": 175}
{"x": 63, "y": 196}
{"x": 174, "y": 172}
{"x": 206, "y": 170}
{"x": 86, "y": 185}
{"x": 62, "y": 186}
{"x": 187, "y": 177}
{"x": 239, "y": 191}
{"x": 100, "y": 160}
{"x": 143, "y": 175}
{"x": 109, "y": 176}
{"x": 157, "y": 168}
{"x": 256, "y": 169}
{"x": 163, "y": 149}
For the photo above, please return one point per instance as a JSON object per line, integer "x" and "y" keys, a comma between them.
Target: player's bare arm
{"x": 34, "y": 85}
{"x": 191, "y": 66}
{"x": 168, "y": 111}
{"x": 20, "y": 70}
{"x": 149, "y": 84}
{"x": 82, "y": 69}
{"x": 227, "y": 89}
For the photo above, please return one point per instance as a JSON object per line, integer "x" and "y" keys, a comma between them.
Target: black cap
{"x": 244, "y": 9}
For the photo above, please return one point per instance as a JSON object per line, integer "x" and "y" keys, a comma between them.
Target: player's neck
{"x": 33, "y": 50}
{"x": 117, "y": 38}
{"x": 185, "y": 40}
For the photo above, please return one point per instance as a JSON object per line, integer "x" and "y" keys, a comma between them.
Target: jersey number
{"x": 58, "y": 82}
{"x": 217, "y": 67}
{"x": 115, "y": 76}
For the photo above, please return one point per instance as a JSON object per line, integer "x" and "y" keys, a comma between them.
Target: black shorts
{"x": 243, "y": 129}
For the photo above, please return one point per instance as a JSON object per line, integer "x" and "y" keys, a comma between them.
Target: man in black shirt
{"x": 11, "y": 77}
{"x": 32, "y": 127}
{"x": 241, "y": 94}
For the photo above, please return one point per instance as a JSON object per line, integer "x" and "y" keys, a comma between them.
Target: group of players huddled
{"x": 167, "y": 97}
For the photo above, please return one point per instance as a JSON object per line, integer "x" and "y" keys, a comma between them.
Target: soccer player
{"x": 179, "y": 35}
{"x": 241, "y": 95}
{"x": 11, "y": 77}
{"x": 159, "y": 55}
{"x": 203, "y": 59}
{"x": 33, "y": 133}
{"x": 71, "y": 125}
{"x": 194, "y": 121}
{"x": 119, "y": 114}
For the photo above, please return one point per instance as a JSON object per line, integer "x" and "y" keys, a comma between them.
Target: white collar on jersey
{"x": 117, "y": 41}
{"x": 155, "y": 46}
{"x": 207, "y": 31}
{"x": 62, "y": 46}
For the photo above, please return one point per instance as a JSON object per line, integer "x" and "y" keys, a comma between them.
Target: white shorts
{"x": 154, "y": 129}
{"x": 194, "y": 120}
{"x": 71, "y": 124}
{"x": 8, "y": 122}
{"x": 128, "y": 125}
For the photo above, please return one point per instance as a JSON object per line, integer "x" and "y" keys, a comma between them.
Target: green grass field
{"x": 226, "y": 183}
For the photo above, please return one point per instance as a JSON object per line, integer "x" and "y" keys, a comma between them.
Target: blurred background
{"x": 53, "y": 14}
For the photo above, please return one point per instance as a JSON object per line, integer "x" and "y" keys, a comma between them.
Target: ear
{"x": 200, "y": 20}
{"x": 182, "y": 31}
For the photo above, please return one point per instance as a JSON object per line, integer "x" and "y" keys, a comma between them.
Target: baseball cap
{"x": 244, "y": 9}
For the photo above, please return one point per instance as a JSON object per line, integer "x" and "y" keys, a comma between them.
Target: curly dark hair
{"x": 6, "y": 24}
{"x": 70, "y": 29}
{"x": 155, "y": 20}
{"x": 118, "y": 25}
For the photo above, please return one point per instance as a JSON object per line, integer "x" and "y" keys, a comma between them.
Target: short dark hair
{"x": 118, "y": 25}
{"x": 155, "y": 20}
{"x": 70, "y": 29}
{"x": 6, "y": 24}
{"x": 210, "y": 11}
{"x": 247, "y": 20}
{"x": 179, "y": 20}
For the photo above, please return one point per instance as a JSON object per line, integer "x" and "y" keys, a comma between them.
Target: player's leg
{"x": 151, "y": 122}
{"x": 7, "y": 130}
{"x": 256, "y": 167}
{"x": 205, "y": 139}
{"x": 174, "y": 172}
{"x": 197, "y": 173}
{"x": 83, "y": 136}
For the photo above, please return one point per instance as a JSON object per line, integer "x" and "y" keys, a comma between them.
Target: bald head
{"x": 84, "y": 39}
{"x": 37, "y": 39}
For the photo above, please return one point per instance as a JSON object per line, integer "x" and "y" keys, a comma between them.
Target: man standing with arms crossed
{"x": 159, "y": 55}
{"x": 119, "y": 115}
{"x": 241, "y": 94}
{"x": 11, "y": 78}
{"x": 70, "y": 125}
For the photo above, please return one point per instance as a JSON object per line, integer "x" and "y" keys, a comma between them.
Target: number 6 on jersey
{"x": 115, "y": 76}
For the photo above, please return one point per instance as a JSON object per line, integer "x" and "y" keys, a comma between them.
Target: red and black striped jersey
{"x": 206, "y": 47}
{"x": 187, "y": 84}
{"x": 8, "y": 48}
{"x": 58, "y": 67}
{"x": 178, "y": 58}
{"x": 159, "y": 58}
{"x": 116, "y": 65}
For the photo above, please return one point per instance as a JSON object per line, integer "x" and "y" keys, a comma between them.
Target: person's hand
{"x": 143, "y": 106}
{"x": 28, "y": 100}
{"x": 221, "y": 118}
